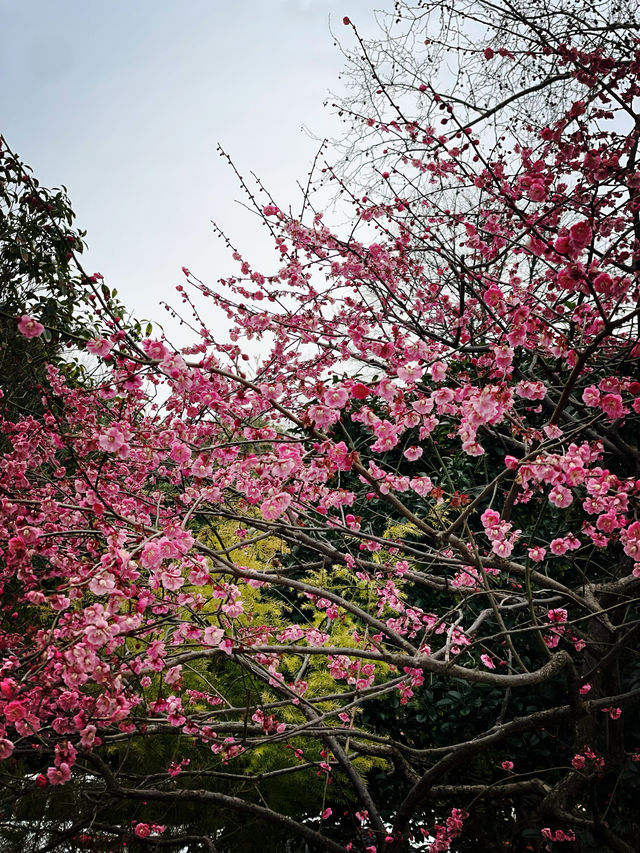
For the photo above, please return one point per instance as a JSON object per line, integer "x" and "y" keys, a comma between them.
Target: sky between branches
{"x": 124, "y": 102}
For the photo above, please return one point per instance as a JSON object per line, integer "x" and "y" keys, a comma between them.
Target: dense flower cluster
{"x": 437, "y": 447}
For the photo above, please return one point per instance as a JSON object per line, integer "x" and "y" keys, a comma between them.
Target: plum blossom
{"x": 6, "y": 748}
{"x": 611, "y": 405}
{"x": 531, "y": 390}
{"x": 336, "y": 397}
{"x": 59, "y": 775}
{"x": 560, "y": 496}
{"x": 156, "y": 350}
{"x": 111, "y": 440}
{"x": 99, "y": 346}
{"x": 413, "y": 453}
{"x": 275, "y": 505}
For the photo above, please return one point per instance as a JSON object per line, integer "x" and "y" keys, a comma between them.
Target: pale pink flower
{"x": 201, "y": 468}
{"x": 156, "y": 350}
{"x": 531, "y": 390}
{"x": 99, "y": 346}
{"x": 273, "y": 507}
{"x": 336, "y": 397}
{"x": 438, "y": 371}
{"x": 213, "y": 636}
{"x": 323, "y": 416}
{"x": 537, "y": 554}
{"x": 421, "y": 485}
{"x": 410, "y": 374}
{"x": 591, "y": 396}
{"x": 560, "y": 496}
{"x": 29, "y": 327}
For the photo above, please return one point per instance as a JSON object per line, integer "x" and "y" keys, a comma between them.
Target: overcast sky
{"x": 124, "y": 101}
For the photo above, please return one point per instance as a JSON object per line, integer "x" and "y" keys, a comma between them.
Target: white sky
{"x": 124, "y": 101}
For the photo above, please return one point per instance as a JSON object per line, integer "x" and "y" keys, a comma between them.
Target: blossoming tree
{"x": 383, "y": 585}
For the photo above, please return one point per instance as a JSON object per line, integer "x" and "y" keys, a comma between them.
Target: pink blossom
{"x": 611, "y": 405}
{"x": 336, "y": 397}
{"x": 99, "y": 346}
{"x": 591, "y": 396}
{"x": 88, "y": 736}
{"x": 558, "y": 547}
{"x": 557, "y": 615}
{"x": 156, "y": 350}
{"x": 180, "y": 452}
{"x": 537, "y": 554}
{"x": 559, "y": 835}
{"x": 273, "y": 507}
{"x": 29, "y": 327}
{"x": 438, "y": 371}
{"x": 580, "y": 234}
{"x": 531, "y": 390}
{"x": 201, "y": 468}
{"x": 59, "y": 775}
{"x": 487, "y": 661}
{"x": 614, "y": 713}
{"x": 14, "y": 711}
{"x": 213, "y": 636}
{"x": 537, "y": 191}
{"x": 171, "y": 577}
{"x": 111, "y": 440}
{"x": 413, "y": 453}
{"x": 102, "y": 584}
{"x": 578, "y": 761}
{"x": 421, "y": 485}
{"x": 560, "y": 496}
{"x": 323, "y": 416}
{"x": 6, "y": 748}
{"x": 199, "y": 575}
{"x": 173, "y": 365}
{"x": 411, "y": 374}
{"x": 152, "y": 555}
{"x": 603, "y": 283}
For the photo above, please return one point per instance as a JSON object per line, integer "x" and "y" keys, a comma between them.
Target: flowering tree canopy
{"x": 382, "y": 587}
